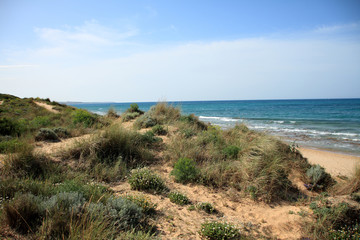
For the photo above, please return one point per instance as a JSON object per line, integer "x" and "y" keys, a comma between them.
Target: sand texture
{"x": 334, "y": 163}
{"x": 47, "y": 107}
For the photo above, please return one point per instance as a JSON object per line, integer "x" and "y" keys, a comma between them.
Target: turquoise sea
{"x": 323, "y": 123}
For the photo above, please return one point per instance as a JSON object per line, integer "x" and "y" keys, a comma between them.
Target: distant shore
{"x": 337, "y": 164}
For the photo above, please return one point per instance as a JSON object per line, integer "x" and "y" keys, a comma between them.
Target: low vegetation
{"x": 70, "y": 198}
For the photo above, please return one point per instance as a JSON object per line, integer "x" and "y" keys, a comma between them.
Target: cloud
{"x": 4, "y": 67}
{"x": 338, "y": 28}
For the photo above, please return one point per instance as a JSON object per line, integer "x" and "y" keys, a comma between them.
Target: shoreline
{"x": 337, "y": 164}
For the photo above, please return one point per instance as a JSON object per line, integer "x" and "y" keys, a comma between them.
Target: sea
{"x": 332, "y": 124}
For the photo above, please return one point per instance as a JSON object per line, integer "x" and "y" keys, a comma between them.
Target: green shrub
{"x": 110, "y": 172}
{"x": 10, "y": 127}
{"x": 112, "y": 113}
{"x": 188, "y": 132}
{"x": 84, "y": 117}
{"x": 231, "y": 151}
{"x": 144, "y": 179}
{"x": 194, "y": 120}
{"x": 145, "y": 121}
{"x": 13, "y": 145}
{"x": 129, "y": 116}
{"x": 159, "y": 130}
{"x": 61, "y": 132}
{"x": 345, "y": 232}
{"x": 134, "y": 108}
{"x": 206, "y": 207}
{"x": 28, "y": 164}
{"x": 219, "y": 230}
{"x": 23, "y": 213}
{"x": 178, "y": 198}
{"x": 40, "y": 122}
{"x": 46, "y": 134}
{"x": 318, "y": 177}
{"x": 143, "y": 202}
{"x": 185, "y": 170}
{"x": 149, "y": 138}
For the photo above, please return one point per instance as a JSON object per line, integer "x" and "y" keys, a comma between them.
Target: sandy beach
{"x": 334, "y": 163}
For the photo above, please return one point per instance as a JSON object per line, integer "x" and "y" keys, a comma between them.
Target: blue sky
{"x": 180, "y": 50}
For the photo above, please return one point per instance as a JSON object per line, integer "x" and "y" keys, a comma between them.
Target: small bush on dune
{"x": 134, "y": 108}
{"x": 159, "y": 130}
{"x": 129, "y": 116}
{"x": 81, "y": 116}
{"x": 40, "y": 122}
{"x": 185, "y": 171}
{"x": 61, "y": 132}
{"x": 28, "y": 164}
{"x": 206, "y": 207}
{"x": 194, "y": 120}
{"x": 219, "y": 230}
{"x": 231, "y": 151}
{"x": 10, "y": 127}
{"x": 110, "y": 172}
{"x": 12, "y": 145}
{"x": 319, "y": 179}
{"x": 161, "y": 113}
{"x": 144, "y": 179}
{"x": 46, "y": 134}
{"x": 143, "y": 202}
{"x": 112, "y": 113}
{"x": 179, "y": 198}
{"x": 23, "y": 213}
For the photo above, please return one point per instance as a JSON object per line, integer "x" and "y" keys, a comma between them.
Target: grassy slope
{"x": 239, "y": 172}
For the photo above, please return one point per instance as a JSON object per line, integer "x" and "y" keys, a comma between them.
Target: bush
{"x": 12, "y": 145}
{"x": 110, "y": 172}
{"x": 9, "y": 127}
{"x": 207, "y": 207}
{"x": 23, "y": 213}
{"x": 145, "y": 121}
{"x": 27, "y": 164}
{"x": 83, "y": 117}
{"x": 129, "y": 116}
{"x": 194, "y": 120}
{"x": 112, "y": 113}
{"x": 219, "y": 230}
{"x": 122, "y": 213}
{"x": 318, "y": 177}
{"x": 144, "y": 179}
{"x": 46, "y": 134}
{"x": 231, "y": 151}
{"x": 134, "y": 108}
{"x": 40, "y": 121}
{"x": 345, "y": 232}
{"x": 159, "y": 130}
{"x": 61, "y": 132}
{"x": 178, "y": 198}
{"x": 185, "y": 170}
{"x": 143, "y": 202}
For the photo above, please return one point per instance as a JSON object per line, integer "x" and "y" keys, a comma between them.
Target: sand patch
{"x": 1, "y": 102}
{"x": 334, "y": 163}
{"x": 47, "y": 107}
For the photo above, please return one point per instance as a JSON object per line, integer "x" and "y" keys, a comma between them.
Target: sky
{"x": 126, "y": 51}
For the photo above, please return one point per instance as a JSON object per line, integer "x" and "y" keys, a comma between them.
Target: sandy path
{"x": 47, "y": 107}
{"x": 334, "y": 163}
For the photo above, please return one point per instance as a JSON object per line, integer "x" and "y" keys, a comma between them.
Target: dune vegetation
{"x": 69, "y": 174}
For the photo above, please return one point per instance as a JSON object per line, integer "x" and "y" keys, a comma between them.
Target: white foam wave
{"x": 279, "y": 122}
{"x": 224, "y": 119}
{"x": 292, "y": 122}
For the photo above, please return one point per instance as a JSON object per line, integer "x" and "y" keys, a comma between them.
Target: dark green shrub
{"x": 188, "y": 132}
{"x": 185, "y": 171}
{"x": 110, "y": 172}
{"x": 231, "y": 151}
{"x": 159, "y": 130}
{"x": 23, "y": 213}
{"x": 46, "y": 134}
{"x": 12, "y": 145}
{"x": 61, "y": 132}
{"x": 134, "y": 108}
{"x": 143, "y": 202}
{"x": 219, "y": 230}
{"x": 345, "y": 232}
{"x": 318, "y": 177}
{"x": 9, "y": 127}
{"x": 355, "y": 196}
{"x": 84, "y": 117}
{"x": 144, "y": 179}
{"x": 178, "y": 198}
{"x": 149, "y": 138}
{"x": 194, "y": 120}
{"x": 206, "y": 207}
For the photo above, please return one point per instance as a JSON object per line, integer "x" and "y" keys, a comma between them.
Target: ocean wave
{"x": 224, "y": 119}
{"x": 279, "y": 122}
